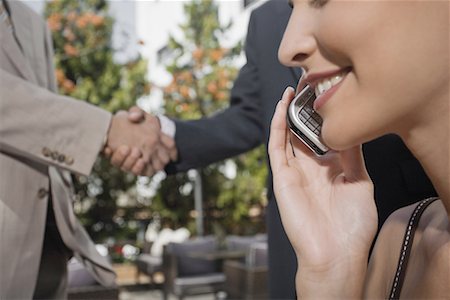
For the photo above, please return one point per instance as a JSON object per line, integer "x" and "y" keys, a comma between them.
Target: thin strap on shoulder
{"x": 405, "y": 251}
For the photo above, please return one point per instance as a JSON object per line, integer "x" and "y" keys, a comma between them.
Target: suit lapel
{"x": 12, "y": 46}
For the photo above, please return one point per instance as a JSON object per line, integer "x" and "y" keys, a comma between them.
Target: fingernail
{"x": 286, "y": 92}
{"x": 134, "y": 115}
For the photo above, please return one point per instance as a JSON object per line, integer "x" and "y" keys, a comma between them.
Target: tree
{"x": 86, "y": 70}
{"x": 203, "y": 72}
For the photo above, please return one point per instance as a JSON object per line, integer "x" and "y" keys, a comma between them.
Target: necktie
{"x": 4, "y": 16}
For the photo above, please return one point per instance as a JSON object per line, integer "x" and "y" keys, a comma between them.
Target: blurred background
{"x": 177, "y": 58}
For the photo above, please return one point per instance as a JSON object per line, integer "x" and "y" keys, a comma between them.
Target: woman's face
{"x": 376, "y": 65}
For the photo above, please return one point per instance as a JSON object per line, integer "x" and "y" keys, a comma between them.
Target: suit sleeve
{"x": 233, "y": 131}
{"x": 42, "y": 126}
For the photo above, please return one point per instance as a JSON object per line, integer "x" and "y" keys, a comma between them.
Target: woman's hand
{"x": 326, "y": 203}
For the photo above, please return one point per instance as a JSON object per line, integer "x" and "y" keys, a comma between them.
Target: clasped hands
{"x": 136, "y": 144}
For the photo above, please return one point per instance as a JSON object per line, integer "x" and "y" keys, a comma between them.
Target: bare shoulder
{"x": 429, "y": 269}
{"x": 390, "y": 236}
{"x": 385, "y": 254}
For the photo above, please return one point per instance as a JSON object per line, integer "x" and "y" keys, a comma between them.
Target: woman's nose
{"x": 298, "y": 42}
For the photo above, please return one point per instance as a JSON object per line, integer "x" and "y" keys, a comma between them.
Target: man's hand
{"x": 142, "y": 138}
{"x": 128, "y": 158}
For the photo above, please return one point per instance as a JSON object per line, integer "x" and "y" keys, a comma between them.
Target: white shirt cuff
{"x": 167, "y": 126}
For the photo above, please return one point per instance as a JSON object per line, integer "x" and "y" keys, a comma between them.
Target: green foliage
{"x": 86, "y": 70}
{"x": 203, "y": 73}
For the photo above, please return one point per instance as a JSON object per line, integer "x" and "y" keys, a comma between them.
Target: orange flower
{"x": 223, "y": 83}
{"x": 171, "y": 88}
{"x": 60, "y": 76}
{"x": 97, "y": 20}
{"x": 183, "y": 107}
{"x": 216, "y": 55}
{"x": 221, "y": 96}
{"x": 211, "y": 87}
{"x": 82, "y": 21}
{"x": 184, "y": 91}
{"x": 88, "y": 15}
{"x": 186, "y": 76}
{"x": 70, "y": 50}
{"x": 68, "y": 86}
{"x": 197, "y": 54}
{"x": 223, "y": 73}
{"x": 54, "y": 22}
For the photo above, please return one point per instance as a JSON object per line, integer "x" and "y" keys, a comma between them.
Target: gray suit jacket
{"x": 43, "y": 137}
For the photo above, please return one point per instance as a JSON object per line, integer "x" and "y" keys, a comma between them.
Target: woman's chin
{"x": 338, "y": 141}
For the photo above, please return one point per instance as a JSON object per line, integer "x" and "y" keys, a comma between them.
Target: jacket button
{"x": 69, "y": 160}
{"x": 55, "y": 155}
{"x": 42, "y": 193}
{"x": 46, "y": 152}
{"x": 61, "y": 158}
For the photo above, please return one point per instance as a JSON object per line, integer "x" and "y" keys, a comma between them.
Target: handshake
{"x": 136, "y": 144}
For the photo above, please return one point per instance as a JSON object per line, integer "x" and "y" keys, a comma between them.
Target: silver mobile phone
{"x": 304, "y": 122}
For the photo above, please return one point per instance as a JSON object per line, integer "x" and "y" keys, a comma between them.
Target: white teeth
{"x": 336, "y": 79}
{"x": 326, "y": 84}
{"x": 317, "y": 91}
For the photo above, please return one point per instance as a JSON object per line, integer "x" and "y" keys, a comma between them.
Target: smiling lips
{"x": 325, "y": 84}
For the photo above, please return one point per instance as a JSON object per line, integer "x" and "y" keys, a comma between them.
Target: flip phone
{"x": 304, "y": 122}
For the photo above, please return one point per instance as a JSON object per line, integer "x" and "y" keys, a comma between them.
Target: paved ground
{"x": 141, "y": 295}
{"x": 156, "y": 295}
{"x": 140, "y": 289}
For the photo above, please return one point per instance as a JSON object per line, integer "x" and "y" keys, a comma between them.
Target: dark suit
{"x": 246, "y": 124}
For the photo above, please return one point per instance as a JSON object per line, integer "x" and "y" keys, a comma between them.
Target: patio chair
{"x": 150, "y": 261}
{"x": 187, "y": 274}
{"x": 248, "y": 279}
{"x": 148, "y": 264}
{"x": 243, "y": 243}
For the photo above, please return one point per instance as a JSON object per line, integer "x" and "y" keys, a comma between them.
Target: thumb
{"x": 136, "y": 115}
